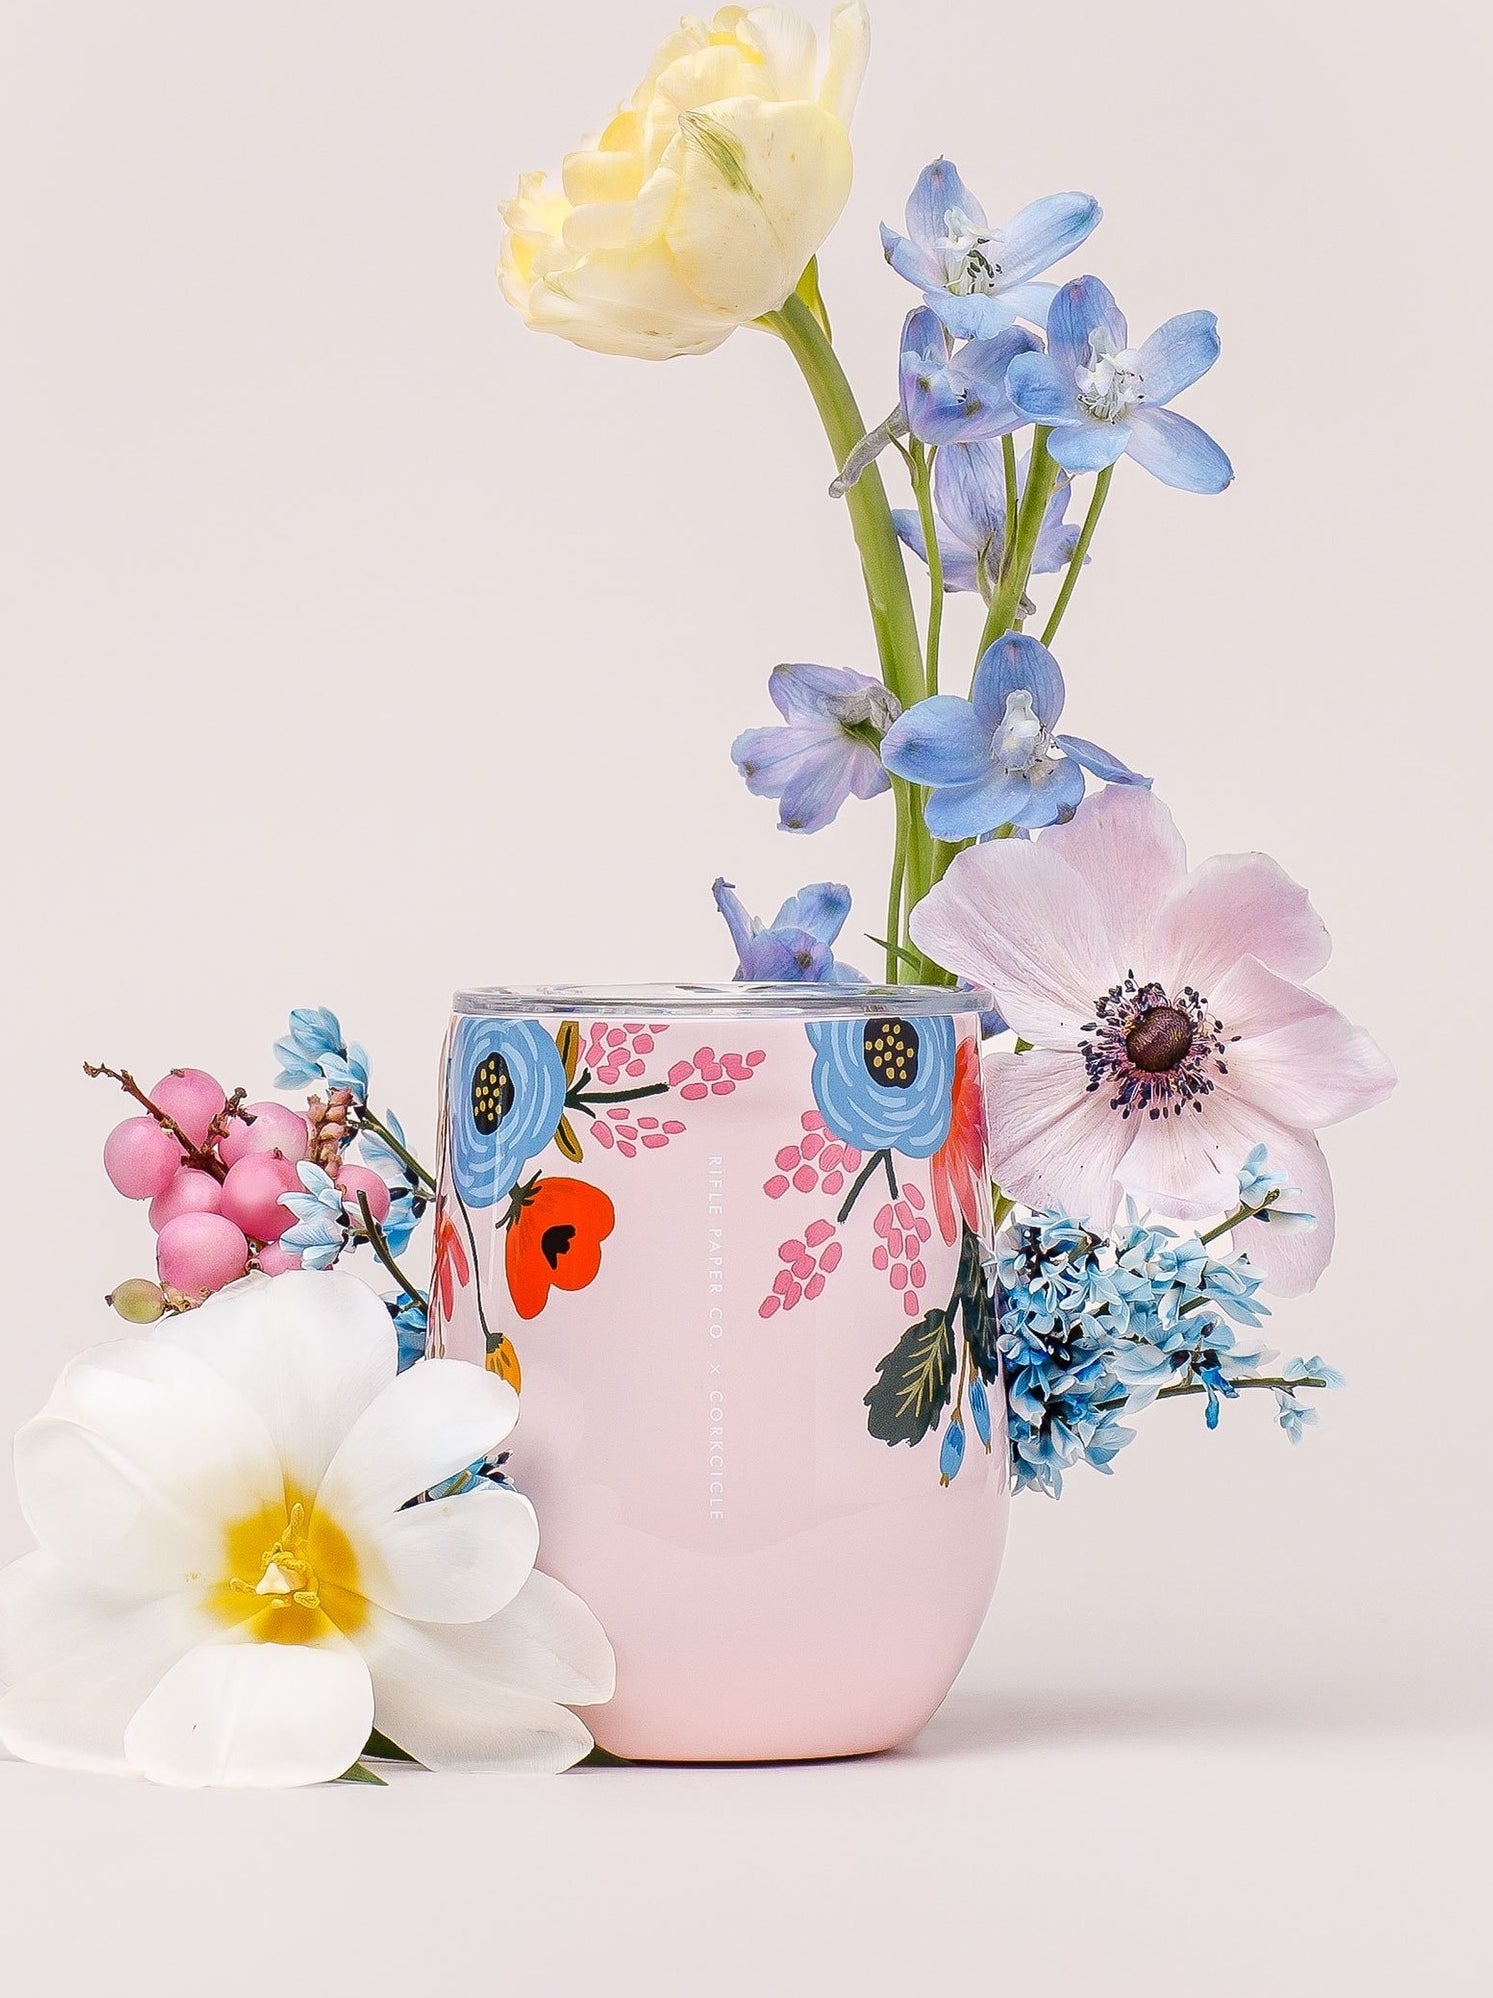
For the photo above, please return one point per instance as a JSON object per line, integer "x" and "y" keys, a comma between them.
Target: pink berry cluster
{"x": 214, "y": 1168}
{"x": 619, "y": 1128}
{"x": 807, "y": 1264}
{"x": 902, "y": 1230}
{"x": 707, "y": 1073}
{"x": 616, "y": 1053}
{"x": 818, "y": 1163}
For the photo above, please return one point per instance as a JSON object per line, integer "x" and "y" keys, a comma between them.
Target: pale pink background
{"x": 277, "y": 468}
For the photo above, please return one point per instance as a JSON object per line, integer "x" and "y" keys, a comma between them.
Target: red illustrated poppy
{"x": 959, "y": 1167}
{"x": 452, "y": 1270}
{"x": 555, "y": 1231}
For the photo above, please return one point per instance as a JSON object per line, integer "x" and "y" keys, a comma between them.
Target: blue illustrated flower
{"x": 993, "y": 760}
{"x": 976, "y": 278}
{"x": 320, "y": 1233}
{"x": 885, "y": 1084}
{"x": 951, "y": 1453}
{"x": 1102, "y": 398}
{"x": 828, "y": 750}
{"x": 979, "y": 1408}
{"x": 507, "y": 1096}
{"x": 957, "y": 395}
{"x": 795, "y": 945}
{"x": 315, "y": 1051}
{"x": 969, "y": 495}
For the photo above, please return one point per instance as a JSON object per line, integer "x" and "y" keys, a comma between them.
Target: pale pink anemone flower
{"x": 1169, "y": 1030}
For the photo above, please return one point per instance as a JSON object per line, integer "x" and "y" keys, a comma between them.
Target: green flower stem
{"x": 1008, "y": 462}
{"x": 407, "y": 1159}
{"x": 922, "y": 483}
{"x": 1245, "y": 1381}
{"x": 381, "y": 1248}
{"x": 898, "y": 645}
{"x": 1080, "y": 550}
{"x": 1040, "y": 477}
{"x": 1232, "y": 1221}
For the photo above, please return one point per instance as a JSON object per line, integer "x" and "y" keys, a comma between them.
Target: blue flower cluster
{"x": 315, "y": 1050}
{"x": 1092, "y": 1328}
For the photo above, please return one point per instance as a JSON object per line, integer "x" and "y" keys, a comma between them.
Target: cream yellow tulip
{"x": 700, "y": 205}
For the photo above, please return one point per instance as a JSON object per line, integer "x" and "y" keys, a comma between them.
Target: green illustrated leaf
{"x": 913, "y": 1381}
{"x": 976, "y": 1308}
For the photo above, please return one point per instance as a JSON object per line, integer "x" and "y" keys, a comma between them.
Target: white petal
{"x": 253, "y": 1715}
{"x": 1238, "y": 905}
{"x": 430, "y": 1700}
{"x": 72, "y": 1712}
{"x": 455, "y": 1560}
{"x": 1053, "y": 1144}
{"x": 785, "y": 41}
{"x": 46, "y": 1611}
{"x": 849, "y": 52}
{"x": 431, "y": 1422}
{"x": 545, "y": 1643}
{"x": 1011, "y": 914}
{"x": 1122, "y": 842}
{"x": 137, "y": 1464}
{"x": 309, "y": 1349}
{"x": 1186, "y": 1166}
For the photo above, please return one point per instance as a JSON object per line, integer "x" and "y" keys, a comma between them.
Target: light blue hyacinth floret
{"x": 1095, "y": 1327}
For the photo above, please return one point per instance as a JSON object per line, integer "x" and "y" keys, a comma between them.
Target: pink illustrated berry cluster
{"x": 618, "y": 1054}
{"x": 902, "y": 1230}
{"x": 818, "y": 1163}
{"x": 619, "y": 1129}
{"x": 707, "y": 1073}
{"x": 807, "y": 1265}
{"x": 215, "y": 1169}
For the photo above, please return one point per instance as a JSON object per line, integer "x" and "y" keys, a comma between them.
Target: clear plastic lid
{"x": 728, "y": 1001}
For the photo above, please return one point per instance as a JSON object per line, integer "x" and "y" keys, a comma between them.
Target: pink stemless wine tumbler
{"x": 727, "y": 1242}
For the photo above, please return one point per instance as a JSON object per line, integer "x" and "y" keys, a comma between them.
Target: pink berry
{"x": 817, "y": 1232}
{"x": 917, "y": 1275}
{"x": 813, "y": 1144}
{"x": 829, "y": 1261}
{"x": 879, "y": 1257}
{"x": 894, "y": 1241}
{"x": 643, "y": 1044}
{"x": 602, "y": 1134}
{"x": 898, "y": 1276}
{"x": 922, "y": 1229}
{"x": 627, "y": 1149}
{"x": 186, "y": 1192}
{"x": 654, "y": 1140}
{"x": 198, "y": 1253}
{"x": 634, "y": 1069}
{"x": 775, "y": 1187}
{"x": 788, "y": 1158}
{"x": 910, "y": 1303}
{"x": 275, "y": 1260}
{"x": 768, "y": 1306}
{"x": 832, "y": 1155}
{"x": 883, "y": 1222}
{"x": 904, "y": 1214}
{"x": 251, "y": 1195}
{"x": 710, "y": 1071}
{"x": 673, "y": 1126}
{"x": 789, "y": 1252}
{"x": 354, "y": 1180}
{"x": 680, "y": 1072}
{"x": 275, "y": 1129}
{"x": 806, "y": 1179}
{"x": 832, "y": 1182}
{"x": 615, "y": 1037}
{"x": 756, "y": 1057}
{"x": 803, "y": 1269}
{"x": 814, "y": 1285}
{"x": 811, "y": 1119}
{"x": 852, "y": 1159}
{"x": 192, "y": 1097}
{"x": 140, "y": 1158}
{"x": 792, "y": 1295}
{"x": 914, "y": 1194}
{"x": 722, "y": 1088}
{"x": 704, "y": 1057}
{"x": 694, "y": 1092}
{"x": 781, "y": 1282}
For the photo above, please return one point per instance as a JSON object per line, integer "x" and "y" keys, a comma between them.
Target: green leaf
{"x": 896, "y": 950}
{"x": 386, "y": 1750}
{"x": 808, "y": 290}
{"x": 358, "y": 1774}
{"x": 913, "y": 1382}
{"x": 976, "y": 1308}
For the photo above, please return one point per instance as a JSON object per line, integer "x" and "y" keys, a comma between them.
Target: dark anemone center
{"x": 890, "y": 1051}
{"x": 555, "y": 1242}
{"x": 1160, "y": 1039}
{"x": 492, "y": 1094}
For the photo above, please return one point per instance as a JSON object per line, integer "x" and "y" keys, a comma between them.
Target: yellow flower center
{"x": 291, "y": 1572}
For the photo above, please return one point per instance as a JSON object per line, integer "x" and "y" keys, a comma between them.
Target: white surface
{"x": 289, "y": 504}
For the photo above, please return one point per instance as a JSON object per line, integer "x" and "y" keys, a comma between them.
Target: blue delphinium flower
{"x": 315, "y": 1051}
{"x": 507, "y": 1088}
{"x": 969, "y": 495}
{"x": 320, "y": 1233}
{"x": 828, "y": 750}
{"x": 994, "y": 760}
{"x": 978, "y": 279}
{"x": 795, "y": 945}
{"x": 1270, "y": 1195}
{"x": 1102, "y": 398}
{"x": 885, "y": 1084}
{"x": 957, "y": 394}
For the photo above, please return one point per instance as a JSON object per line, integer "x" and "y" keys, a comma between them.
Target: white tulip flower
{"x": 232, "y": 1586}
